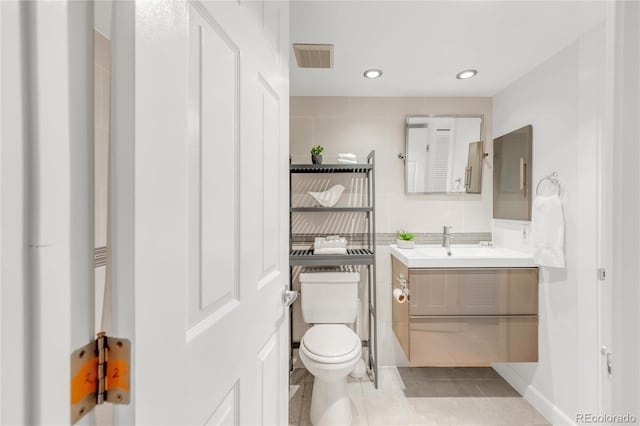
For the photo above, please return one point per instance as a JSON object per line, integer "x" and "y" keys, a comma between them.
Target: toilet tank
{"x": 329, "y": 296}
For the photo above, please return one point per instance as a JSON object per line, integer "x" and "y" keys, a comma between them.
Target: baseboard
{"x": 550, "y": 412}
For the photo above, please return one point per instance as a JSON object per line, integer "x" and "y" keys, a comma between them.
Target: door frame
{"x": 52, "y": 160}
{"x": 605, "y": 196}
{"x": 122, "y": 185}
{"x": 619, "y": 394}
{"x": 14, "y": 224}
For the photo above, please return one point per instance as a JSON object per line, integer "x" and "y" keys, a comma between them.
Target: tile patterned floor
{"x": 424, "y": 396}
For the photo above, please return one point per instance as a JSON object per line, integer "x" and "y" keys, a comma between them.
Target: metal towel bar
{"x": 553, "y": 178}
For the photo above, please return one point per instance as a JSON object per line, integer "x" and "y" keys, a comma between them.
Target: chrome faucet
{"x": 446, "y": 239}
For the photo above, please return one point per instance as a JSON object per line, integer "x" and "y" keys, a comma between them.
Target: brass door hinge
{"x": 100, "y": 373}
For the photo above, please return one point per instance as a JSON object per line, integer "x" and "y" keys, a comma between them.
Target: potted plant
{"x": 316, "y": 154}
{"x": 405, "y": 239}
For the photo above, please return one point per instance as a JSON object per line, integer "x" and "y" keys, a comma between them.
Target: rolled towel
{"x": 330, "y": 250}
{"x": 347, "y": 156}
{"x": 345, "y": 161}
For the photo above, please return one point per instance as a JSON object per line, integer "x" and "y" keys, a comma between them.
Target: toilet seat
{"x": 331, "y": 344}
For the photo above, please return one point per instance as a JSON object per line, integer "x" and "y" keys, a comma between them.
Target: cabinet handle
{"x": 459, "y": 316}
{"x": 467, "y": 177}
{"x": 523, "y": 175}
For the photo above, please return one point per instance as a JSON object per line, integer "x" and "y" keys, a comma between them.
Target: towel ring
{"x": 553, "y": 178}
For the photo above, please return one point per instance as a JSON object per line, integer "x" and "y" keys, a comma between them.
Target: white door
{"x": 210, "y": 212}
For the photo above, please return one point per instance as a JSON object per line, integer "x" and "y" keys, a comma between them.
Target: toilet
{"x": 330, "y": 349}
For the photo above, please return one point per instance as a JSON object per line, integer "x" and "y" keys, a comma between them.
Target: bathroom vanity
{"x": 478, "y": 306}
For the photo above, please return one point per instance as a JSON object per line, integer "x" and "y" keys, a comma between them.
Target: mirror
{"x": 443, "y": 154}
{"x": 512, "y": 155}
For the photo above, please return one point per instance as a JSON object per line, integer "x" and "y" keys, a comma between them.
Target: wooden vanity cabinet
{"x": 467, "y": 316}
{"x": 400, "y": 311}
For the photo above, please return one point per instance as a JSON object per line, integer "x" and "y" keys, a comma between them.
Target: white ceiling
{"x": 421, "y": 45}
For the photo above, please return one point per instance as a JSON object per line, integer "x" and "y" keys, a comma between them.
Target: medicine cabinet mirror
{"x": 512, "y": 155}
{"x": 443, "y": 154}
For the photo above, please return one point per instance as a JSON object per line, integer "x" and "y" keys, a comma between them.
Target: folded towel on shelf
{"x": 330, "y": 250}
{"x": 345, "y": 161}
{"x": 330, "y": 242}
{"x": 347, "y": 156}
{"x": 547, "y": 231}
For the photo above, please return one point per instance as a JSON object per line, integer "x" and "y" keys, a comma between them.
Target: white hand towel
{"x": 322, "y": 242}
{"x": 347, "y": 156}
{"x": 345, "y": 161}
{"x": 330, "y": 250}
{"x": 547, "y": 231}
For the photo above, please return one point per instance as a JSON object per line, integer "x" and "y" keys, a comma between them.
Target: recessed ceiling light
{"x": 462, "y": 75}
{"x": 372, "y": 73}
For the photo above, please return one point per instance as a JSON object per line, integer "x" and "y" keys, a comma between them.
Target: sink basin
{"x": 435, "y": 256}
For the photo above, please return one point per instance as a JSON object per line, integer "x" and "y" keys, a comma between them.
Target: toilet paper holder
{"x": 401, "y": 293}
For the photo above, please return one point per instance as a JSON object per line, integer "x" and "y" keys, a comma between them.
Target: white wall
{"x": 562, "y": 99}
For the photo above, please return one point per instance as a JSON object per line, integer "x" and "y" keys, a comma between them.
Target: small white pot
{"x": 404, "y": 244}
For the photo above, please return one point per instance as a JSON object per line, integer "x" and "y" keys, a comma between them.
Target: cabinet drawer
{"x": 473, "y": 291}
{"x": 472, "y": 341}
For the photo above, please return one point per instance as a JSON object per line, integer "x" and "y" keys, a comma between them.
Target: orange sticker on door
{"x": 118, "y": 374}
{"x": 85, "y": 382}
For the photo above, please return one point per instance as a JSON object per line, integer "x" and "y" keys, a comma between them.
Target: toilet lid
{"x": 330, "y": 340}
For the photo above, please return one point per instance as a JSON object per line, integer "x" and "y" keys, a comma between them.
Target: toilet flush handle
{"x": 288, "y": 297}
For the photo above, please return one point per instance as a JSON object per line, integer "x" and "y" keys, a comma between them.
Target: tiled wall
{"x": 359, "y": 125}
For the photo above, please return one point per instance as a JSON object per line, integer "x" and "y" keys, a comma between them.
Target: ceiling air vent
{"x": 314, "y": 55}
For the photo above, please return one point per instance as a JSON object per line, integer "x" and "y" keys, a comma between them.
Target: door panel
{"x": 227, "y": 412}
{"x": 269, "y": 380}
{"x": 272, "y": 27}
{"x": 211, "y": 177}
{"x": 213, "y": 169}
{"x": 270, "y": 190}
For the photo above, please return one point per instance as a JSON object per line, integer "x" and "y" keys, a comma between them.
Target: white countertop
{"x": 435, "y": 256}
